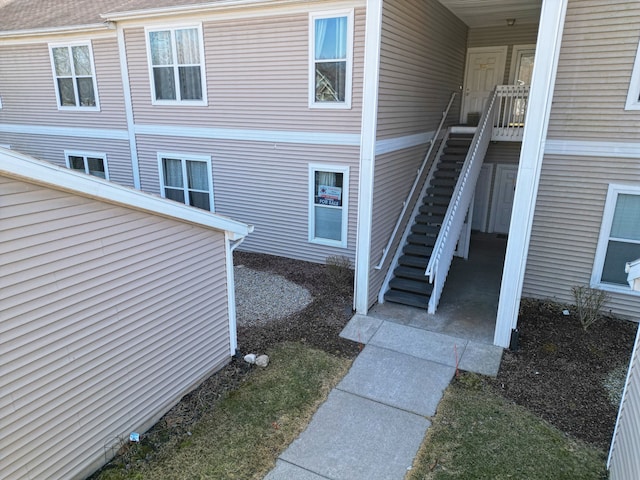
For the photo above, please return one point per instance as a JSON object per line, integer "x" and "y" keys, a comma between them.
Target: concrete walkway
{"x": 374, "y": 421}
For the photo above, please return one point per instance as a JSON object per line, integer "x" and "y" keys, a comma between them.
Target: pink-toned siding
{"x": 257, "y": 78}
{"x": 28, "y": 89}
{"x": 265, "y": 185}
{"x": 109, "y": 316}
{"x": 421, "y": 63}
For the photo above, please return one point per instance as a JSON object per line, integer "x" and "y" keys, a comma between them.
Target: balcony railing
{"x": 508, "y": 124}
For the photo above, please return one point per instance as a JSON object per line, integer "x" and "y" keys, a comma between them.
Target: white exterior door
{"x": 484, "y": 70}
{"x": 504, "y": 189}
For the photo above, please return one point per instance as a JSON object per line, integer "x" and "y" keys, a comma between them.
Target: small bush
{"x": 339, "y": 273}
{"x": 589, "y": 303}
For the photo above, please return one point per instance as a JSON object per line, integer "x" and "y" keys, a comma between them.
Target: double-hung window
{"x": 176, "y": 65}
{"x": 330, "y": 59}
{"x": 74, "y": 76}
{"x": 187, "y": 179}
{"x": 619, "y": 241}
{"x": 328, "y": 205}
{"x": 90, "y": 163}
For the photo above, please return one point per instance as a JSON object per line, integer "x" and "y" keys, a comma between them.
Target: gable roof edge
{"x": 36, "y": 32}
{"x": 23, "y": 167}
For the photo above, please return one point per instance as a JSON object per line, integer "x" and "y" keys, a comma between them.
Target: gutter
{"x": 35, "y": 32}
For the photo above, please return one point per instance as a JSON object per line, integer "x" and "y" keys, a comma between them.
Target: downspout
{"x": 373, "y": 29}
{"x": 128, "y": 106}
{"x": 533, "y": 144}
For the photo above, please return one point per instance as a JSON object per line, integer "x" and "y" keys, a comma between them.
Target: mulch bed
{"x": 560, "y": 371}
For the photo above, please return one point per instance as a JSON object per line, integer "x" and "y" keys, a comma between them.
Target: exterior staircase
{"x": 410, "y": 285}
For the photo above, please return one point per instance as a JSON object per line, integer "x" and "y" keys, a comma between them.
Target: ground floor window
{"x": 619, "y": 241}
{"x": 187, "y": 179}
{"x": 328, "y": 190}
{"x": 90, "y": 163}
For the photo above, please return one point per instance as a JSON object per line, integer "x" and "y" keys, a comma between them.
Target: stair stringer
{"x": 416, "y": 209}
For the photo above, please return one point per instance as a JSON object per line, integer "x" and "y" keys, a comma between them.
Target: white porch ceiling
{"x": 490, "y": 13}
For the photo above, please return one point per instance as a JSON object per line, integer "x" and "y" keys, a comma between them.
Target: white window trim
{"x": 78, "y": 153}
{"x": 313, "y": 16}
{"x": 95, "y": 108}
{"x": 183, "y": 157}
{"x": 344, "y": 170}
{"x": 518, "y": 50}
{"x": 603, "y": 240}
{"x": 633, "y": 97}
{"x": 203, "y": 79}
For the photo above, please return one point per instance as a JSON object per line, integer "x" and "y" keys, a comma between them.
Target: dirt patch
{"x": 566, "y": 375}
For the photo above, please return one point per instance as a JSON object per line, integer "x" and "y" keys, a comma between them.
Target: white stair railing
{"x": 508, "y": 124}
{"x": 445, "y": 245}
{"x": 416, "y": 182}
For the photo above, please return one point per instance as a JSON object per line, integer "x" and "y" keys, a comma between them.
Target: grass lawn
{"x": 241, "y": 437}
{"x": 477, "y": 434}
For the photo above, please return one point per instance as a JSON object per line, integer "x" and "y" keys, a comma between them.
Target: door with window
{"x": 484, "y": 70}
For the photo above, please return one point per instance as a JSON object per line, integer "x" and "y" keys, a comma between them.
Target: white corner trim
{"x": 231, "y": 297}
{"x": 533, "y": 147}
{"x": 633, "y": 95}
{"x": 272, "y": 136}
{"x": 23, "y": 167}
{"x": 373, "y": 33}
{"x": 128, "y": 107}
{"x": 588, "y": 148}
{"x": 390, "y": 145}
{"x": 81, "y": 132}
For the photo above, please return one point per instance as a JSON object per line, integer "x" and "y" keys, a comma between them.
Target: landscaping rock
{"x": 262, "y": 361}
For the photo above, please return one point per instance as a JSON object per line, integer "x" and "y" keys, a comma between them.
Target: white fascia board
{"x": 29, "y": 169}
{"x": 47, "y": 31}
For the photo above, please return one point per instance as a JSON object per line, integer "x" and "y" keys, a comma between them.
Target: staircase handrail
{"x": 416, "y": 182}
{"x": 442, "y": 253}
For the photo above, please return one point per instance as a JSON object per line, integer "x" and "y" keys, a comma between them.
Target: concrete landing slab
{"x": 419, "y": 343}
{"x": 481, "y": 358}
{"x": 353, "y": 438}
{"x": 287, "y": 471}
{"x": 398, "y": 380}
{"x": 361, "y": 328}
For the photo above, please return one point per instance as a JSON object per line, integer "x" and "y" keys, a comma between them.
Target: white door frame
{"x": 502, "y": 60}
{"x": 497, "y": 190}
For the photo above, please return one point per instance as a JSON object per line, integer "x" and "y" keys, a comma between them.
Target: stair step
{"x": 417, "y": 250}
{"x": 406, "y": 298}
{"x": 433, "y": 209}
{"x": 413, "y": 261}
{"x": 421, "y": 239}
{"x": 429, "y": 219}
{"x": 414, "y": 273}
{"x": 424, "y": 229}
{"x": 440, "y": 191}
{"x": 411, "y": 286}
{"x": 445, "y": 173}
{"x": 443, "y": 182}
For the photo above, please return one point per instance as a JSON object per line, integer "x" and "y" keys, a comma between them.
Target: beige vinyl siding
{"x": 51, "y": 149}
{"x": 624, "y": 462}
{"x": 566, "y": 227}
{"x": 265, "y": 185}
{"x": 504, "y": 35}
{"x": 109, "y": 316}
{"x": 421, "y": 63}
{"x": 422, "y": 59}
{"x": 28, "y": 89}
{"x": 599, "y": 47}
{"x": 257, "y": 78}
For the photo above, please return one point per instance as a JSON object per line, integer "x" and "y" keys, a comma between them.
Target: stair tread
{"x": 422, "y": 239}
{"x": 434, "y": 209}
{"x": 406, "y": 285}
{"x": 413, "y": 261}
{"x": 410, "y": 272}
{"x": 406, "y": 298}
{"x": 423, "y": 228}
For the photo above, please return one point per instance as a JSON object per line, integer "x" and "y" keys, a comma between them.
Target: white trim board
{"x": 82, "y": 132}
{"x": 390, "y": 145}
{"x": 589, "y": 148}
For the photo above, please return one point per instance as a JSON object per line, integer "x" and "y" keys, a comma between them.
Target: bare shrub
{"x": 589, "y": 303}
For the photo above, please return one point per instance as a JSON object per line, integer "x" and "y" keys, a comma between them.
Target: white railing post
{"x": 511, "y": 110}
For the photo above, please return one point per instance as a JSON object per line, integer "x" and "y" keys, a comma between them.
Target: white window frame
{"x": 183, "y": 158}
{"x": 85, "y": 155}
{"x": 172, "y": 28}
{"x": 313, "y": 16}
{"x": 344, "y": 170}
{"x": 516, "y": 57}
{"x": 603, "y": 240}
{"x": 633, "y": 96}
{"x": 79, "y": 108}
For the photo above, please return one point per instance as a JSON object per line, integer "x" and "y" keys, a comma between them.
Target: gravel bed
{"x": 263, "y": 296}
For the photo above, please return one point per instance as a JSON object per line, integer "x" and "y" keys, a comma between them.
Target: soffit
{"x": 491, "y": 13}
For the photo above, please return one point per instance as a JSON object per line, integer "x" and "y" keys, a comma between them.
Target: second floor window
{"x": 74, "y": 76}
{"x": 90, "y": 163}
{"x": 176, "y": 65}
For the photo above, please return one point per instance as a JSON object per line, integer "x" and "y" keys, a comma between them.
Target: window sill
{"x": 328, "y": 243}
{"x": 330, "y": 106}
{"x": 180, "y": 103}
{"x": 609, "y": 287}
{"x": 79, "y": 109}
